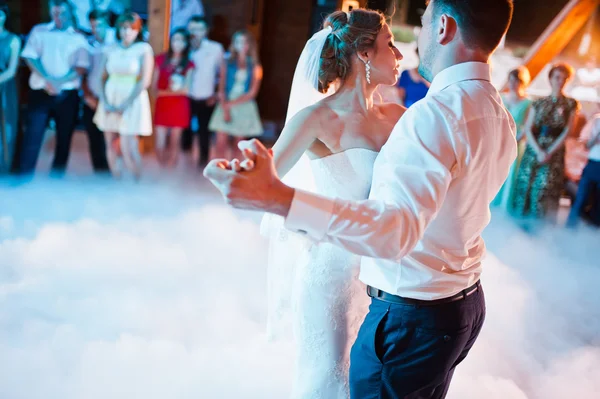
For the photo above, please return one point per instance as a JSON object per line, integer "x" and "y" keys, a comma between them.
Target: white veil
{"x": 287, "y": 249}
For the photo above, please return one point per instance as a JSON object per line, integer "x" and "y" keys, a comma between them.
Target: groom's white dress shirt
{"x": 445, "y": 161}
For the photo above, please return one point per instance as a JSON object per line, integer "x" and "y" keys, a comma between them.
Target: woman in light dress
{"x": 236, "y": 116}
{"x": 124, "y": 108}
{"x": 334, "y": 132}
{"x": 517, "y": 103}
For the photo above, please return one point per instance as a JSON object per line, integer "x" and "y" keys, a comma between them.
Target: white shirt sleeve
{"x": 81, "y": 57}
{"x": 412, "y": 175}
{"x": 33, "y": 46}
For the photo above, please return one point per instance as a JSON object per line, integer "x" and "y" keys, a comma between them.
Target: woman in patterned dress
{"x": 541, "y": 175}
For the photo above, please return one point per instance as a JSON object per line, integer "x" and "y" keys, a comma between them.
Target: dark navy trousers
{"x": 410, "y": 351}
{"x": 63, "y": 108}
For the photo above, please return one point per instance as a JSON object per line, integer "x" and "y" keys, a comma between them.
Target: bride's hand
{"x": 248, "y": 163}
{"x": 257, "y": 189}
{"x": 233, "y": 165}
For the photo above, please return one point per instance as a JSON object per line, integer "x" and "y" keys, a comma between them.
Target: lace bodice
{"x": 329, "y": 300}
{"x": 346, "y": 174}
{"x": 319, "y": 281}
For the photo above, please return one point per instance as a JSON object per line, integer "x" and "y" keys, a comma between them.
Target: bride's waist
{"x": 328, "y": 253}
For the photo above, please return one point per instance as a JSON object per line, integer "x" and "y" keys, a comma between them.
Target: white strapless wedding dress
{"x": 329, "y": 302}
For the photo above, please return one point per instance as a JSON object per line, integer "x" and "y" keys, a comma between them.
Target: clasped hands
{"x": 251, "y": 183}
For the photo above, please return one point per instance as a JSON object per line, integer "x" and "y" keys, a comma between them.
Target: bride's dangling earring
{"x": 368, "y": 71}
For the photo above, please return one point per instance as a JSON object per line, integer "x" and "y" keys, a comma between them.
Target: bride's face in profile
{"x": 385, "y": 59}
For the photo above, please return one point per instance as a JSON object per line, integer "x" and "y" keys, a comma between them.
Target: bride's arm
{"x": 297, "y": 136}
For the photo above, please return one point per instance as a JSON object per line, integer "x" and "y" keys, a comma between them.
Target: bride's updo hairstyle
{"x": 351, "y": 33}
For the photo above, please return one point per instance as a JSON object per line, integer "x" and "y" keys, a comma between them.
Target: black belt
{"x": 384, "y": 296}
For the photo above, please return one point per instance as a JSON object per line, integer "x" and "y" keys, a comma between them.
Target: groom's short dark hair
{"x": 482, "y": 23}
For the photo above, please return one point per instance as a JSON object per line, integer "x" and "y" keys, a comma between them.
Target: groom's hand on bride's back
{"x": 252, "y": 183}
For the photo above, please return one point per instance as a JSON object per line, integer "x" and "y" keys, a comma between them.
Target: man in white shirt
{"x": 102, "y": 36}
{"x": 207, "y": 56}
{"x": 58, "y": 58}
{"x": 589, "y": 184}
{"x": 420, "y": 231}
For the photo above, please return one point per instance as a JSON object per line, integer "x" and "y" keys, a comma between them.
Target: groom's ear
{"x": 448, "y": 28}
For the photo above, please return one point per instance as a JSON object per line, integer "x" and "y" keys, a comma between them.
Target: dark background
{"x": 530, "y": 18}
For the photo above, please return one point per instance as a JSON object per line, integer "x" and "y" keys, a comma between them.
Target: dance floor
{"x": 116, "y": 289}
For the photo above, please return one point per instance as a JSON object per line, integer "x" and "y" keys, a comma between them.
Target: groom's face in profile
{"x": 426, "y": 43}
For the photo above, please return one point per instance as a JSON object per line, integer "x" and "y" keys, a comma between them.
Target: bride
{"x": 333, "y": 133}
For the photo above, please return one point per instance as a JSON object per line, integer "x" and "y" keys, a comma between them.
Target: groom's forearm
{"x": 367, "y": 228}
{"x": 280, "y": 200}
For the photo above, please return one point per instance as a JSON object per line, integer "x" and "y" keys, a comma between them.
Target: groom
{"x": 419, "y": 232}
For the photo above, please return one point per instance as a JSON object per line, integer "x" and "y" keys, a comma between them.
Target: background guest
{"x": 10, "y": 46}
{"x": 182, "y": 11}
{"x": 102, "y": 37}
{"x": 207, "y": 55}
{"x": 58, "y": 57}
{"x": 588, "y": 192}
{"x": 237, "y": 114}
{"x": 124, "y": 107}
{"x": 541, "y": 175}
{"x": 411, "y": 86}
{"x": 172, "y": 77}
{"x": 517, "y": 103}
{"x": 83, "y": 8}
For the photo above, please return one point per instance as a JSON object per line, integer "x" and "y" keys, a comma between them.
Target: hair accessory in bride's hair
{"x": 335, "y": 33}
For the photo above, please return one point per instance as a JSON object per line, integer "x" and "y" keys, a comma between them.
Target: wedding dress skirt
{"x": 329, "y": 302}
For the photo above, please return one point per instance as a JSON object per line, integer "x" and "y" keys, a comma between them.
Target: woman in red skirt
{"x": 172, "y": 77}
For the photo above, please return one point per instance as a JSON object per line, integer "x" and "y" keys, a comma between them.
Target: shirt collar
{"x": 52, "y": 26}
{"x": 458, "y": 73}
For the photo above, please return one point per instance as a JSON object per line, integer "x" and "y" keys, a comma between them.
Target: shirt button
{"x": 447, "y": 338}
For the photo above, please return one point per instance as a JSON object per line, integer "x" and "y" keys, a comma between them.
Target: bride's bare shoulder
{"x": 315, "y": 116}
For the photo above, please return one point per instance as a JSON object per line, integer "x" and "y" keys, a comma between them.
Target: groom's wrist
{"x": 281, "y": 200}
{"x": 310, "y": 214}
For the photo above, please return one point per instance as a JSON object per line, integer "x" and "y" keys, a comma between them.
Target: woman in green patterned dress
{"x": 517, "y": 103}
{"x": 541, "y": 176}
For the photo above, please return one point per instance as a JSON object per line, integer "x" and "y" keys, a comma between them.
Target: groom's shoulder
{"x": 456, "y": 104}
{"x": 432, "y": 113}
{"x": 432, "y": 107}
